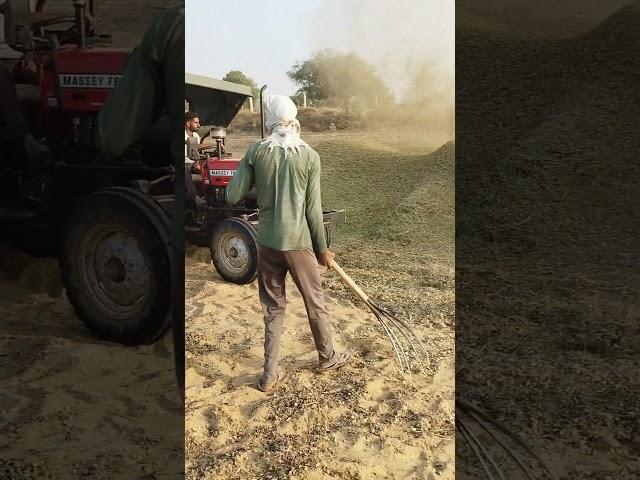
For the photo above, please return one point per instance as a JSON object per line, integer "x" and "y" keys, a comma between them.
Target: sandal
{"x": 267, "y": 387}
{"x": 340, "y": 360}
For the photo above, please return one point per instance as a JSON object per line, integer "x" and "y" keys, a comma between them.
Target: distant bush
{"x": 324, "y": 119}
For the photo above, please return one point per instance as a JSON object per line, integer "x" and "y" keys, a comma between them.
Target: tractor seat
{"x": 251, "y": 194}
{"x": 37, "y": 151}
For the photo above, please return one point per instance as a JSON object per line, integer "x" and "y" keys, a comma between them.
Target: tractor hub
{"x": 235, "y": 254}
{"x": 118, "y": 270}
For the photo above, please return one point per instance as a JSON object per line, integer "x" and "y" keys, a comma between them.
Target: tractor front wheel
{"x": 116, "y": 266}
{"x": 234, "y": 250}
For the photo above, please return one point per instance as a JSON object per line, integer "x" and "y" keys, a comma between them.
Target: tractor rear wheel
{"x": 234, "y": 250}
{"x": 116, "y": 265}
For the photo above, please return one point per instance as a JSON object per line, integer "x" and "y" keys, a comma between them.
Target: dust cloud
{"x": 411, "y": 44}
{"x": 399, "y": 38}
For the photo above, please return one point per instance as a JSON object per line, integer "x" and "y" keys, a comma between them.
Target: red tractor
{"x": 107, "y": 220}
{"x": 229, "y": 232}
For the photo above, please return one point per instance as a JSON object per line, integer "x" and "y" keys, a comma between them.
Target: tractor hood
{"x": 217, "y": 102}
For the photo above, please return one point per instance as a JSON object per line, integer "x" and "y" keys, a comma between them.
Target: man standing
{"x": 286, "y": 172}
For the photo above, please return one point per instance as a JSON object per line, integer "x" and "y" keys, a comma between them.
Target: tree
{"x": 311, "y": 78}
{"x": 338, "y": 78}
{"x": 298, "y": 99}
{"x": 420, "y": 86}
{"x": 236, "y": 76}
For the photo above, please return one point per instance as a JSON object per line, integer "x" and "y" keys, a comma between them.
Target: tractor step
{"x": 334, "y": 217}
{"x": 16, "y": 214}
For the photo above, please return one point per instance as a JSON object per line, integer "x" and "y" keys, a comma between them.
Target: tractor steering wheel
{"x": 64, "y": 36}
{"x": 69, "y": 35}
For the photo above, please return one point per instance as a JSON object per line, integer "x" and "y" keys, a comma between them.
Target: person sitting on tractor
{"x": 291, "y": 238}
{"x": 191, "y": 141}
{"x": 191, "y": 126}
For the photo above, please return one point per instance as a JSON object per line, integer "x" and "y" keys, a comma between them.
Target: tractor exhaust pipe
{"x": 81, "y": 24}
{"x": 16, "y": 17}
{"x": 262, "y": 126}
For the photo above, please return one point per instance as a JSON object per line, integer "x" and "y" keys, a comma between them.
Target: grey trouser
{"x": 273, "y": 266}
{"x": 190, "y": 187}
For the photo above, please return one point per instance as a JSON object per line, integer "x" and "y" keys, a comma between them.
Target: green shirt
{"x": 288, "y": 196}
{"x": 152, "y": 83}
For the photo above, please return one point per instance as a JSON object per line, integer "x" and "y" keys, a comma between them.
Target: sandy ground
{"x": 73, "y": 406}
{"x": 366, "y": 421}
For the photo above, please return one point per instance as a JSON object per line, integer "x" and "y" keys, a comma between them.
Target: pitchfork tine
{"x": 483, "y": 450}
{"x": 482, "y": 419}
{"x": 405, "y": 325}
{"x": 383, "y": 315}
{"x": 407, "y": 332}
{"x": 397, "y": 346}
{"x": 379, "y": 312}
{"x": 476, "y": 448}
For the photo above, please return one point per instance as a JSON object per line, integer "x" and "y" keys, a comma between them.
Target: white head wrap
{"x": 283, "y": 126}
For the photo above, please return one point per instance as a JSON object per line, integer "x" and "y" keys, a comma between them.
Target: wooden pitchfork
{"x": 392, "y": 326}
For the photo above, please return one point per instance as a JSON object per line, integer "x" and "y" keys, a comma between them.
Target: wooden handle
{"x": 347, "y": 279}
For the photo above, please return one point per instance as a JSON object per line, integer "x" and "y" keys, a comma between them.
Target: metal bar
{"x": 482, "y": 448}
{"x": 474, "y": 448}
{"x": 17, "y": 214}
{"x": 405, "y": 355}
{"x": 405, "y": 335}
{"x": 393, "y": 340}
{"x": 505, "y": 447}
{"x": 513, "y": 437}
{"x": 81, "y": 24}
{"x": 262, "y": 125}
{"x": 405, "y": 325}
{"x": 121, "y": 167}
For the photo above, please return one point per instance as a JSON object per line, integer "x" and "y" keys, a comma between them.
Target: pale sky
{"x": 264, "y": 39}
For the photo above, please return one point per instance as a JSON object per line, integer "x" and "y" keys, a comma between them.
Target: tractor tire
{"x": 178, "y": 333}
{"x": 116, "y": 264}
{"x": 234, "y": 250}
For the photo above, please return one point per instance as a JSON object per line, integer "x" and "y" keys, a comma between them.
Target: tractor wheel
{"x": 116, "y": 266}
{"x": 178, "y": 335}
{"x": 234, "y": 250}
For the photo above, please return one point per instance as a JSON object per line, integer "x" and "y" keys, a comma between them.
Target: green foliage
{"x": 337, "y": 79}
{"x": 419, "y": 86}
{"x": 236, "y": 76}
{"x": 298, "y": 99}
